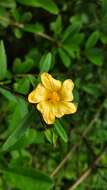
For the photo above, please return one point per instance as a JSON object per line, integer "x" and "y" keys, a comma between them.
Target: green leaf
{"x": 31, "y": 136}
{"x": 22, "y": 67}
{"x": 71, "y": 30}
{"x": 72, "y": 44}
{"x": 45, "y": 62}
{"x": 22, "y": 85}
{"x": 7, "y": 3}
{"x": 3, "y": 61}
{"x": 66, "y": 60}
{"x": 95, "y": 56}
{"x": 8, "y": 95}
{"x": 92, "y": 89}
{"x": 51, "y": 136}
{"x": 48, "y": 134}
{"x": 61, "y": 131}
{"x": 74, "y": 39}
{"x": 19, "y": 110}
{"x": 18, "y": 33}
{"x": 71, "y": 49}
{"x": 104, "y": 6}
{"x": 57, "y": 25}
{"x": 33, "y": 28}
{"x": 27, "y": 178}
{"x": 92, "y": 40}
{"x": 48, "y": 5}
{"x": 18, "y": 132}
{"x": 103, "y": 38}
{"x": 32, "y": 80}
{"x": 82, "y": 18}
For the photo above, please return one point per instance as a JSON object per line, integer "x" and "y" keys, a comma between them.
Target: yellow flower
{"x": 53, "y": 98}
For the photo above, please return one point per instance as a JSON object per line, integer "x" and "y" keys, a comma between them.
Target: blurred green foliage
{"x": 69, "y": 40}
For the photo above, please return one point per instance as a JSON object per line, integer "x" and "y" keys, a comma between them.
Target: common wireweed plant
{"x": 53, "y": 94}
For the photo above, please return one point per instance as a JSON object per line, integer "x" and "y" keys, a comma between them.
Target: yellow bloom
{"x": 53, "y": 98}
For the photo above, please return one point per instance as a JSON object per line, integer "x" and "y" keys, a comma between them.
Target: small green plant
{"x": 46, "y": 147}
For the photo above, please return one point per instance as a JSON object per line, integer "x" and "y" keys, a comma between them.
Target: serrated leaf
{"x": 48, "y": 5}
{"x": 45, "y": 62}
{"x": 61, "y": 131}
{"x": 3, "y": 61}
{"x": 27, "y": 178}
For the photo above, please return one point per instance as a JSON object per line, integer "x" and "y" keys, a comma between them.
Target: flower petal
{"x": 57, "y": 110}
{"x": 47, "y": 111}
{"x": 64, "y": 108}
{"x": 66, "y": 91}
{"x": 38, "y": 94}
{"x": 49, "y": 82}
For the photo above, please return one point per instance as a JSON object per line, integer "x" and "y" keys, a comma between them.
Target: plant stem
{"x": 89, "y": 170}
{"x": 68, "y": 155}
{"x": 21, "y": 26}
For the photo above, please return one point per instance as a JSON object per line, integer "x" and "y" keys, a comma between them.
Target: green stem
{"x": 21, "y": 26}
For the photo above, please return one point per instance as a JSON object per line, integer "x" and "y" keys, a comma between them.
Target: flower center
{"x": 54, "y": 97}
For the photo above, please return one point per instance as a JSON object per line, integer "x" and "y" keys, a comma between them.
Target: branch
{"x": 89, "y": 170}
{"x": 68, "y": 156}
{"x": 21, "y": 26}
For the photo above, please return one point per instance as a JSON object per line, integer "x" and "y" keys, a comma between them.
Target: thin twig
{"x": 46, "y": 36}
{"x": 22, "y": 26}
{"x": 89, "y": 170}
{"x": 68, "y": 155}
{"x": 11, "y": 22}
{"x": 5, "y": 82}
{"x": 25, "y": 75}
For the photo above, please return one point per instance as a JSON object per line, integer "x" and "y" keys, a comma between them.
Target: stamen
{"x": 54, "y": 97}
